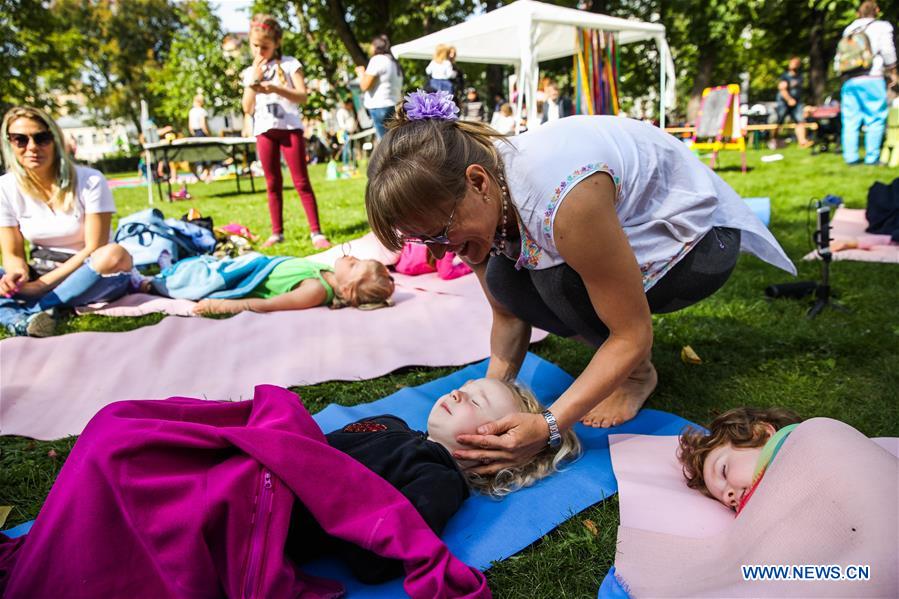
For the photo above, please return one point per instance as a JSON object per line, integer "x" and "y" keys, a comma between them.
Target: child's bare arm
{"x": 309, "y": 294}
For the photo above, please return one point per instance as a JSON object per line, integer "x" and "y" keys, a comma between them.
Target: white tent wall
{"x": 544, "y": 32}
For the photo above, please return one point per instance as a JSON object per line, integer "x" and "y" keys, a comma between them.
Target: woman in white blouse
{"x": 64, "y": 211}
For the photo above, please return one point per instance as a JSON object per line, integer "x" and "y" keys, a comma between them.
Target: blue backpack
{"x": 147, "y": 234}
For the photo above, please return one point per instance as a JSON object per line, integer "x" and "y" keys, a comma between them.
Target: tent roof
{"x": 493, "y": 38}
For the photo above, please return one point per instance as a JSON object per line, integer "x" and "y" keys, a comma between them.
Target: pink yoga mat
{"x": 50, "y": 388}
{"x": 653, "y": 496}
{"x": 849, "y": 224}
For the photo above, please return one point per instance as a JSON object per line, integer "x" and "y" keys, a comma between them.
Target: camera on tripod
{"x": 821, "y": 240}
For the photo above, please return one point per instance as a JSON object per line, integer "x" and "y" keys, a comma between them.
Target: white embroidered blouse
{"x": 666, "y": 198}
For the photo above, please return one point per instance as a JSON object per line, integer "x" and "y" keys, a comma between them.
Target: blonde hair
{"x": 368, "y": 293}
{"x": 418, "y": 170}
{"x": 441, "y": 52}
{"x": 62, "y": 192}
{"x": 740, "y": 427}
{"x": 547, "y": 462}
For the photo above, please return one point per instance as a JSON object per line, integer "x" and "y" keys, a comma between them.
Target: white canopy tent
{"x": 526, "y": 32}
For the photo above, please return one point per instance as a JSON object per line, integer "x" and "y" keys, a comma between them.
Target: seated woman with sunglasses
{"x": 64, "y": 211}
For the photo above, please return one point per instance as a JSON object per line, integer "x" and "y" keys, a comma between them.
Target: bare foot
{"x": 624, "y": 403}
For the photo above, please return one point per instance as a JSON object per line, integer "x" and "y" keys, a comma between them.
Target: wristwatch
{"x": 555, "y": 437}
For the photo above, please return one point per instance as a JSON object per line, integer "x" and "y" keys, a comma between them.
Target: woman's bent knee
{"x": 110, "y": 259}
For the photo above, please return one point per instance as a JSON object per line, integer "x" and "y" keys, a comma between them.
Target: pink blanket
{"x": 829, "y": 498}
{"x": 51, "y": 387}
{"x": 849, "y": 224}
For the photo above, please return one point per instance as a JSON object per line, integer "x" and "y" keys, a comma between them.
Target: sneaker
{"x": 41, "y": 324}
{"x": 273, "y": 240}
{"x": 320, "y": 242}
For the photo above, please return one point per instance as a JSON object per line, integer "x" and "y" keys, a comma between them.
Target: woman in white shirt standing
{"x": 64, "y": 211}
{"x": 274, "y": 88}
{"x": 382, "y": 82}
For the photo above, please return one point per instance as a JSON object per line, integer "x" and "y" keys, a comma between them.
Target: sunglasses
{"x": 442, "y": 239}
{"x": 20, "y": 140}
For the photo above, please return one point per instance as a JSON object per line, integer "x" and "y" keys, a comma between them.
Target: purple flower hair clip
{"x": 438, "y": 105}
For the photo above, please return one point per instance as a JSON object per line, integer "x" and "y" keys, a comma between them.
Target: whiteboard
{"x": 714, "y": 108}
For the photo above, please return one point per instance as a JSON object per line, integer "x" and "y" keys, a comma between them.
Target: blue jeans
{"x": 84, "y": 286}
{"x": 863, "y": 101}
{"x": 445, "y": 85}
{"x": 379, "y": 116}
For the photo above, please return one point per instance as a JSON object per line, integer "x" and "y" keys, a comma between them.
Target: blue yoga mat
{"x": 486, "y": 530}
{"x": 761, "y": 207}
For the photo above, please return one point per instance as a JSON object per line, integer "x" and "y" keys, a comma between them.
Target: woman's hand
{"x": 508, "y": 442}
{"x": 360, "y": 70}
{"x": 259, "y": 67}
{"x": 11, "y": 282}
{"x": 219, "y": 306}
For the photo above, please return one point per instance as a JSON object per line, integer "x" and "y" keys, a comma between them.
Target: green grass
{"x": 754, "y": 351}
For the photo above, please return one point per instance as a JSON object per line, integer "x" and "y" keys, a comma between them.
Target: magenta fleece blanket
{"x": 191, "y": 498}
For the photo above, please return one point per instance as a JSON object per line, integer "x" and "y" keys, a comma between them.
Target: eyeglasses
{"x": 443, "y": 238}
{"x": 20, "y": 140}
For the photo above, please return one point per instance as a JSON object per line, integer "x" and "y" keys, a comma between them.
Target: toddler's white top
{"x": 274, "y": 111}
{"x": 666, "y": 198}
{"x": 43, "y": 226}
{"x": 440, "y": 70}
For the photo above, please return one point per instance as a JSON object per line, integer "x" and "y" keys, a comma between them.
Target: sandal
{"x": 273, "y": 240}
{"x": 320, "y": 242}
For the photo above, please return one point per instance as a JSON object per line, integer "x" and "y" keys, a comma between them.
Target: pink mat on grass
{"x": 653, "y": 496}
{"x": 849, "y": 224}
{"x": 50, "y": 388}
{"x": 139, "y": 304}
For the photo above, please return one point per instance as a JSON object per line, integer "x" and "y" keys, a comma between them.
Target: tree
{"x": 807, "y": 28}
{"x": 125, "y": 42}
{"x": 36, "y": 50}
{"x": 196, "y": 63}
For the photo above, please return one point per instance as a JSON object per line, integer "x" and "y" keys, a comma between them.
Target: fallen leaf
{"x": 688, "y": 356}
{"x": 591, "y": 526}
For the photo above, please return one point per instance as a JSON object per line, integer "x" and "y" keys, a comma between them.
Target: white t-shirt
{"x": 196, "y": 118}
{"x": 345, "y": 120}
{"x": 880, "y": 34}
{"x": 274, "y": 111}
{"x": 666, "y": 198}
{"x": 440, "y": 70}
{"x": 388, "y": 87}
{"x": 46, "y": 228}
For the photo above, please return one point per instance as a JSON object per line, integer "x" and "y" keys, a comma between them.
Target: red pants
{"x": 269, "y": 147}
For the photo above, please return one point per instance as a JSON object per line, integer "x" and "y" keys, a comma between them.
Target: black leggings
{"x": 556, "y": 300}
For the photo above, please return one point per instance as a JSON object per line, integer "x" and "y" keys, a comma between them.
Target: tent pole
{"x": 663, "y": 67}
{"x": 518, "y": 101}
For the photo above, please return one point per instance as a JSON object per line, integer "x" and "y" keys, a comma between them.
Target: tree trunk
{"x": 705, "y": 66}
{"x": 817, "y": 72}
{"x": 338, "y": 14}
{"x": 327, "y": 64}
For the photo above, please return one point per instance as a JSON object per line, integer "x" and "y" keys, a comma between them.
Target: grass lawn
{"x": 754, "y": 351}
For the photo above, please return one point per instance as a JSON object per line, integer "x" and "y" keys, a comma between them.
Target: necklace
{"x": 499, "y": 241}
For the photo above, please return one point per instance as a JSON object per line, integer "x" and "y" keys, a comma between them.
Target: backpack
{"x": 146, "y": 235}
{"x": 854, "y": 52}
